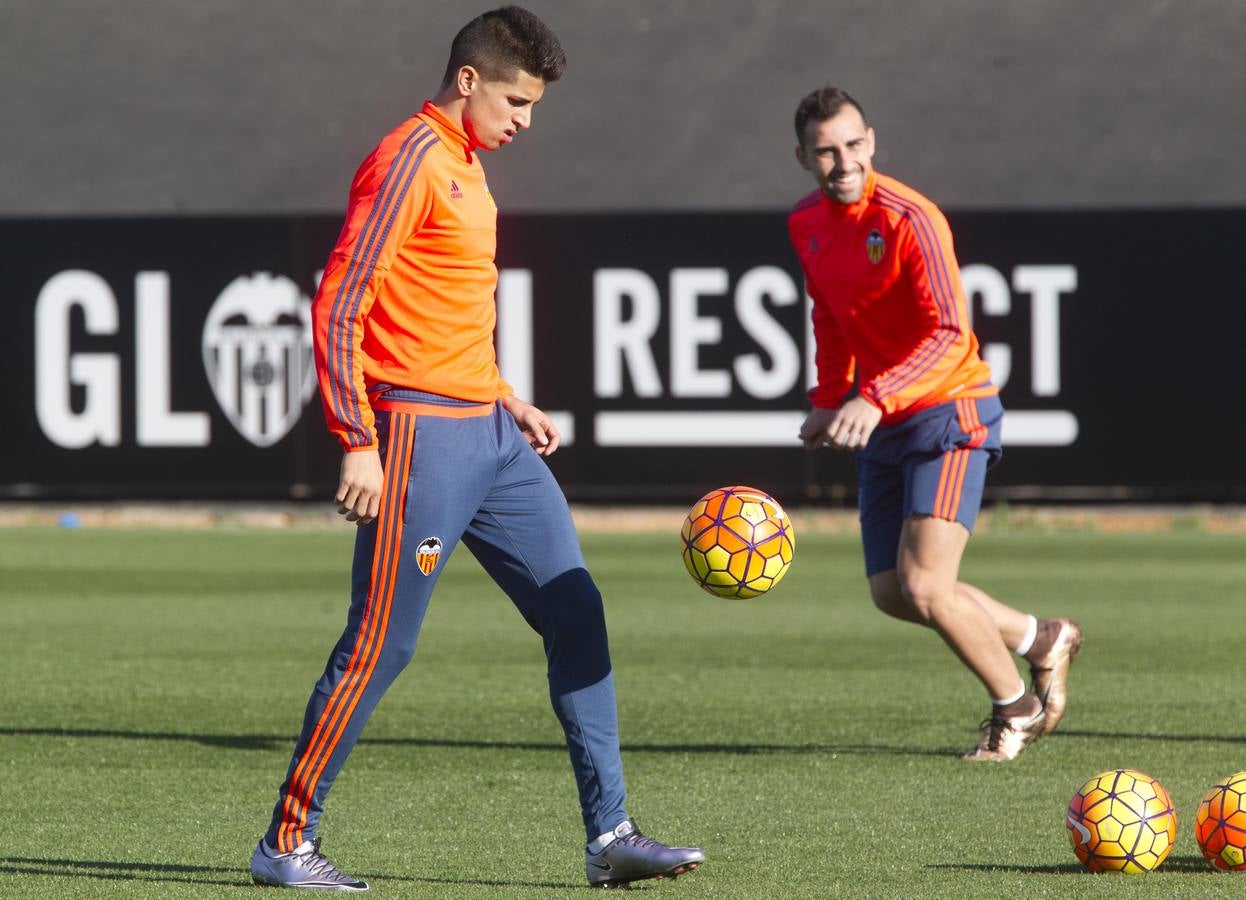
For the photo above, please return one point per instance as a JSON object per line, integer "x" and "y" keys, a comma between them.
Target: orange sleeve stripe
{"x": 345, "y": 697}
{"x": 340, "y": 354}
{"x": 941, "y": 289}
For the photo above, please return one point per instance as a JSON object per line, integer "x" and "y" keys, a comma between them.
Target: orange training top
{"x": 889, "y": 310}
{"x": 407, "y": 294}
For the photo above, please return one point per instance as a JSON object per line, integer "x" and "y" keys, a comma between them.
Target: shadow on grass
{"x": 276, "y": 742}
{"x": 1195, "y": 864}
{"x": 1135, "y": 736}
{"x": 115, "y": 870}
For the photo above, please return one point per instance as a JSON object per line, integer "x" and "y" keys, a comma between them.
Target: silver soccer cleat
{"x": 632, "y": 856}
{"x": 304, "y": 867}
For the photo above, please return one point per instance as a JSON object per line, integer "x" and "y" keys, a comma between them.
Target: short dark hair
{"x": 822, "y": 104}
{"x": 499, "y": 42}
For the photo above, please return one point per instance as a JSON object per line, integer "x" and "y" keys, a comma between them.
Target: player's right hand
{"x": 359, "y": 486}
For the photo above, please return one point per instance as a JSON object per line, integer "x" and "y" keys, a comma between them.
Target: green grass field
{"x": 153, "y": 683}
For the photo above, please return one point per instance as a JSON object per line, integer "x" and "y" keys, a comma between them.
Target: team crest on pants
{"x": 427, "y": 554}
{"x": 874, "y": 246}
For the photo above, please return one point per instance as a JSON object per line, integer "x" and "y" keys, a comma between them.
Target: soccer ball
{"x": 1220, "y": 825}
{"x": 1121, "y": 821}
{"x": 737, "y": 542}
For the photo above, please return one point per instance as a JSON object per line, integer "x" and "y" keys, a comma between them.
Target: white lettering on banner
{"x": 515, "y": 345}
{"x": 754, "y": 286}
{"x": 617, "y": 340}
{"x": 514, "y": 330}
{"x": 625, "y": 346}
{"x": 690, "y": 330}
{"x": 100, "y": 373}
{"x": 1045, "y": 284}
{"x": 58, "y": 370}
{"x": 157, "y": 424}
{"x": 256, "y": 348}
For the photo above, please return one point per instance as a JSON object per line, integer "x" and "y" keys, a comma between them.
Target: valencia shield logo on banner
{"x": 427, "y": 554}
{"x": 257, "y": 352}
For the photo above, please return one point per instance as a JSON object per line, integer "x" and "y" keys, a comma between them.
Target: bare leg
{"x": 888, "y": 597}
{"x": 929, "y": 559}
{"x": 1012, "y": 624}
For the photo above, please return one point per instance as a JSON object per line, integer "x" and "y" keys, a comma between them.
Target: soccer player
{"x": 891, "y": 321}
{"x": 438, "y": 449}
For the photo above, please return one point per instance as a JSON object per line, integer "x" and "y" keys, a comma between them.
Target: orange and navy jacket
{"x": 889, "y": 310}
{"x": 407, "y": 296}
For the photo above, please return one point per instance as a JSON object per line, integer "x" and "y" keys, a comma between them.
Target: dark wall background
{"x": 239, "y": 106}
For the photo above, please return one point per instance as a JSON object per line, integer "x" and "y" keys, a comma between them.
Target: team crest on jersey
{"x": 875, "y": 246}
{"x": 427, "y": 554}
{"x": 455, "y": 193}
{"x": 257, "y": 353}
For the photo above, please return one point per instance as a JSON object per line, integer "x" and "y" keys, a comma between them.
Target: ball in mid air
{"x": 737, "y": 542}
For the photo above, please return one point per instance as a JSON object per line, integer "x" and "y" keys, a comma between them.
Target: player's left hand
{"x": 847, "y": 428}
{"x": 535, "y": 425}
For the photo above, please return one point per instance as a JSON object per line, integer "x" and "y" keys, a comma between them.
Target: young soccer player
{"x": 890, "y": 318}
{"x": 438, "y": 449}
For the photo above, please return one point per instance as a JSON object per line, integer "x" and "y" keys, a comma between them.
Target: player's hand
{"x": 535, "y": 425}
{"x": 813, "y": 431}
{"x": 847, "y": 428}
{"x": 359, "y": 486}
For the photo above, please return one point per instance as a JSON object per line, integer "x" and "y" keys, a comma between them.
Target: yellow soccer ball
{"x": 737, "y": 542}
{"x": 1220, "y": 824}
{"x": 1121, "y": 821}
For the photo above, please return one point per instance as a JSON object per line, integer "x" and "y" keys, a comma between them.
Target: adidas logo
{"x": 455, "y": 193}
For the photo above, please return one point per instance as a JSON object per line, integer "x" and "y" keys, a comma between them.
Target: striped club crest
{"x": 875, "y": 246}
{"x": 427, "y": 554}
{"x": 257, "y": 353}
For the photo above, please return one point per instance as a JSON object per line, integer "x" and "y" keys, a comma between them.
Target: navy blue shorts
{"x": 933, "y": 463}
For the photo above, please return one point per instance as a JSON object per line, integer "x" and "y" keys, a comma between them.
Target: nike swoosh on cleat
{"x": 605, "y": 867}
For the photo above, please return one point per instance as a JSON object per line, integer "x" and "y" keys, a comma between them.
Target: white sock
{"x": 1013, "y": 699}
{"x": 1027, "y": 641}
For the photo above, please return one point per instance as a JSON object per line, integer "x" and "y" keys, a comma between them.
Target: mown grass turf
{"x": 153, "y": 682}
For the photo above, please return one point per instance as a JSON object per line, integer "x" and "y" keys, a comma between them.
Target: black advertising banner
{"x": 170, "y": 358}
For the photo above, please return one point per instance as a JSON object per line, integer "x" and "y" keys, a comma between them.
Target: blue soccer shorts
{"x": 933, "y": 463}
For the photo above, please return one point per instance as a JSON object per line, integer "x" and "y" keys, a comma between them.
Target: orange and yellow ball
{"x": 737, "y": 542}
{"x": 1220, "y": 824}
{"x": 1121, "y": 821}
